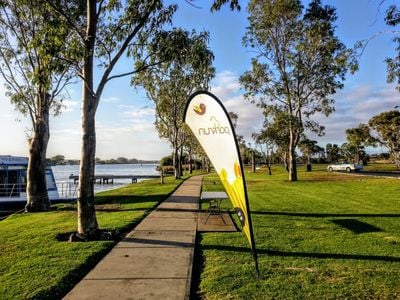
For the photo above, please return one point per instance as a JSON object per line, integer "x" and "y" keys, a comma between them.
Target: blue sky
{"x": 125, "y": 117}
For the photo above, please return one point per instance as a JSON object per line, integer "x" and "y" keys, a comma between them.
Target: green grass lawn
{"x": 35, "y": 264}
{"x": 381, "y": 168}
{"x": 327, "y": 236}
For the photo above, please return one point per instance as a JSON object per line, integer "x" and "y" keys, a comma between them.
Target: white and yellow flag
{"x": 210, "y": 123}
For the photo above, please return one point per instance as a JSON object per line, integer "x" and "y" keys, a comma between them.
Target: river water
{"x": 62, "y": 173}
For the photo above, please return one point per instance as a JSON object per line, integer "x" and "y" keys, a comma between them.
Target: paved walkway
{"x": 155, "y": 260}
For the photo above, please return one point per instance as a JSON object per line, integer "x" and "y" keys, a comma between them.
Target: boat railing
{"x": 11, "y": 189}
{"x": 67, "y": 189}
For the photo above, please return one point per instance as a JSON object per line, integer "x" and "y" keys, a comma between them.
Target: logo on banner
{"x": 214, "y": 128}
{"x": 200, "y": 109}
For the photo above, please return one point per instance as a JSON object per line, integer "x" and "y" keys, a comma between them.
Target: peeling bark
{"x": 36, "y": 189}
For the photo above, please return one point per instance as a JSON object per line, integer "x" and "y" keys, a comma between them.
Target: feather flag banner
{"x": 209, "y": 121}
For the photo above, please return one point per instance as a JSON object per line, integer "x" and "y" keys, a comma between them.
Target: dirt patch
{"x": 311, "y": 270}
{"x": 333, "y": 178}
{"x": 101, "y": 235}
{"x": 108, "y": 207}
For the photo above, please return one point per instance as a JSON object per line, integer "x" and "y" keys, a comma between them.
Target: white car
{"x": 345, "y": 167}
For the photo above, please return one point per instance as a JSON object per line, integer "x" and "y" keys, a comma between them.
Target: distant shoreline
{"x": 73, "y": 163}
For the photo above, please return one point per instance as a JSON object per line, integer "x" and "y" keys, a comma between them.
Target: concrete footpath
{"x": 155, "y": 260}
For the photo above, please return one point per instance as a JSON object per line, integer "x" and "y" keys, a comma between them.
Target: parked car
{"x": 345, "y": 167}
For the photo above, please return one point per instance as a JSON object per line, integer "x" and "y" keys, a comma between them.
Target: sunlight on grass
{"x": 329, "y": 235}
{"x": 34, "y": 264}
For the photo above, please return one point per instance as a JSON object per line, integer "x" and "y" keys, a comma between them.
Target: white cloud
{"x": 69, "y": 105}
{"x": 139, "y": 112}
{"x": 355, "y": 106}
{"x": 250, "y": 118}
{"x": 225, "y": 84}
{"x": 110, "y": 99}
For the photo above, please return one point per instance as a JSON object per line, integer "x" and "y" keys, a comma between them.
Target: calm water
{"x": 62, "y": 173}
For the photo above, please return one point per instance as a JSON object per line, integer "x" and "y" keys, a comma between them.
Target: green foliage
{"x": 186, "y": 65}
{"x": 57, "y": 160}
{"x": 357, "y": 139}
{"x": 35, "y": 265}
{"x": 309, "y": 148}
{"x": 393, "y": 64}
{"x": 332, "y": 152}
{"x": 233, "y": 4}
{"x": 300, "y": 63}
{"x": 33, "y": 53}
{"x": 303, "y": 251}
{"x": 166, "y": 161}
{"x": 386, "y": 126}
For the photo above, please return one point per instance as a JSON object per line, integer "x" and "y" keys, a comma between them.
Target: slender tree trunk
{"x": 269, "y": 163}
{"x": 253, "y": 162}
{"x": 37, "y": 196}
{"x": 286, "y": 161}
{"x": 309, "y": 167}
{"x": 87, "y": 221}
{"x": 292, "y": 159}
{"x": 181, "y": 161}
{"x": 190, "y": 163}
{"x": 175, "y": 161}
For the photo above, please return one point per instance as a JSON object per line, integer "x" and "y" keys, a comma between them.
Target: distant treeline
{"x": 61, "y": 160}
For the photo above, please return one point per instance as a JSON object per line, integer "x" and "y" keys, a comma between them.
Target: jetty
{"x": 109, "y": 178}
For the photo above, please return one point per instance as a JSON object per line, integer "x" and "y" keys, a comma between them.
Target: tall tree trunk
{"x": 292, "y": 159}
{"x": 190, "y": 163}
{"x": 37, "y": 196}
{"x": 87, "y": 221}
{"x": 253, "y": 162}
{"x": 180, "y": 161}
{"x": 175, "y": 161}
{"x": 309, "y": 167}
{"x": 285, "y": 158}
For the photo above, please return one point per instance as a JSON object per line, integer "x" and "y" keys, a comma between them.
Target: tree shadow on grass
{"x": 323, "y": 215}
{"x": 100, "y": 209}
{"x": 66, "y": 284}
{"x": 128, "y": 199}
{"x": 356, "y": 226}
{"x": 304, "y": 254}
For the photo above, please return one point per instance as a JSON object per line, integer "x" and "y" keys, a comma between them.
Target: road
{"x": 379, "y": 174}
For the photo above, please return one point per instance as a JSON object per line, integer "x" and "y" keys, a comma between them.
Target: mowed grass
{"x": 327, "y": 236}
{"x": 34, "y": 264}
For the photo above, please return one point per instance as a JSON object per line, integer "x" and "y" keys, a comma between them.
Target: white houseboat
{"x": 13, "y": 180}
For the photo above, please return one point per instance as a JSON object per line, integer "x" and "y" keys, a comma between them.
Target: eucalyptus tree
{"x": 267, "y": 141}
{"x": 393, "y": 64}
{"x": 32, "y": 64}
{"x": 309, "y": 148}
{"x": 275, "y": 135}
{"x": 299, "y": 64}
{"x": 174, "y": 81}
{"x": 108, "y": 30}
{"x": 358, "y": 138}
{"x": 351, "y": 153}
{"x": 191, "y": 147}
{"x": 385, "y": 128}
{"x": 332, "y": 152}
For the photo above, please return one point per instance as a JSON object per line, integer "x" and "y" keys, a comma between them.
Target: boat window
{"x": 3, "y": 182}
{"x": 22, "y": 180}
{"x": 9, "y": 184}
{"x": 51, "y": 184}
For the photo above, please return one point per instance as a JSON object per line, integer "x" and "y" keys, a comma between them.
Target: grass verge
{"x": 34, "y": 264}
{"x": 327, "y": 236}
